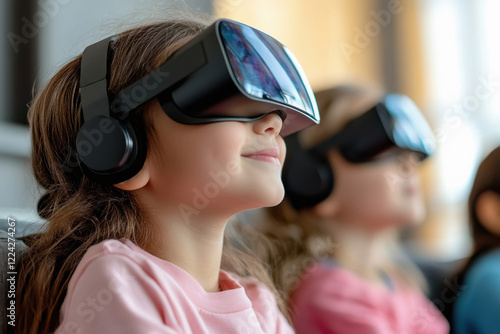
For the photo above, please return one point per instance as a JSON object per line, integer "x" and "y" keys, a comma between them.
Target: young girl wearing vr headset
{"x": 146, "y": 145}
{"x": 350, "y": 184}
{"x": 476, "y": 308}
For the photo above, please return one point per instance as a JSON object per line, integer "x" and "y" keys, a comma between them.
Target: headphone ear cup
{"x": 111, "y": 151}
{"x": 308, "y": 180}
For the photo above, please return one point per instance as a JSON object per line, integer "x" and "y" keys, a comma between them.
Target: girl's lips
{"x": 267, "y": 155}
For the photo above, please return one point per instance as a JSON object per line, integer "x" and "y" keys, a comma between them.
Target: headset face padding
{"x": 307, "y": 179}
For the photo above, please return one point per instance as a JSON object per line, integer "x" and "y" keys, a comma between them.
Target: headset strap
{"x": 94, "y": 75}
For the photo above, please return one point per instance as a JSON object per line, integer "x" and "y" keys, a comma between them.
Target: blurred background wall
{"x": 442, "y": 53}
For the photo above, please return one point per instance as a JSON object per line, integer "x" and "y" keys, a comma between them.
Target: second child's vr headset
{"x": 228, "y": 61}
{"x": 394, "y": 122}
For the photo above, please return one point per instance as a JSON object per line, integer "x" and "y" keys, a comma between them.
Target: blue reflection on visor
{"x": 410, "y": 128}
{"x": 265, "y": 69}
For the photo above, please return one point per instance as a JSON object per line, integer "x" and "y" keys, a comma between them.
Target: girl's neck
{"x": 194, "y": 245}
{"x": 362, "y": 251}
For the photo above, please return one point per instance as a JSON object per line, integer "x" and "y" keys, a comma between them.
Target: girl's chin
{"x": 269, "y": 201}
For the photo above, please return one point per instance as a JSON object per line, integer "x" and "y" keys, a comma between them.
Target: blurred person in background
{"x": 351, "y": 184}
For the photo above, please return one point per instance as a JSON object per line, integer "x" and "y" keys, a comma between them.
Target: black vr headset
{"x": 394, "y": 122}
{"x": 228, "y": 61}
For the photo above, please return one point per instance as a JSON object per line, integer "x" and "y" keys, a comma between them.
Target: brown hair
{"x": 299, "y": 236}
{"x": 79, "y": 212}
{"x": 487, "y": 179}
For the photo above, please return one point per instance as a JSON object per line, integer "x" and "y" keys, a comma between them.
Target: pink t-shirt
{"x": 331, "y": 299}
{"x": 120, "y": 288}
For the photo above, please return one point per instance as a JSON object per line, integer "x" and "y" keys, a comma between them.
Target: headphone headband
{"x": 94, "y": 76}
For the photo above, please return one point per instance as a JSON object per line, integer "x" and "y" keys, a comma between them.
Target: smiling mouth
{"x": 270, "y": 155}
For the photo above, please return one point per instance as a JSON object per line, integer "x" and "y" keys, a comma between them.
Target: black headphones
{"x": 110, "y": 149}
{"x": 307, "y": 178}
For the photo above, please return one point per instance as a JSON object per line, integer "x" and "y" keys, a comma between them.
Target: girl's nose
{"x": 269, "y": 124}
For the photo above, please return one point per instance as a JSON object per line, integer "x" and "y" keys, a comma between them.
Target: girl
{"x": 351, "y": 184}
{"x": 130, "y": 141}
{"x": 476, "y": 308}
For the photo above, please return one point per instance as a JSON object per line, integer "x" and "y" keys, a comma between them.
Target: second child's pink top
{"x": 331, "y": 299}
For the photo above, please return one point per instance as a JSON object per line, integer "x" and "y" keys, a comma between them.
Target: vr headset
{"x": 228, "y": 61}
{"x": 394, "y": 122}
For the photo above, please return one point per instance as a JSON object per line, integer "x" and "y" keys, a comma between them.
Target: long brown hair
{"x": 299, "y": 236}
{"x": 80, "y": 213}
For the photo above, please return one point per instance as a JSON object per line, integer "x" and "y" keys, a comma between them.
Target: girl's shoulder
{"x": 109, "y": 247}
{"x": 113, "y": 251}
{"x": 121, "y": 261}
{"x": 169, "y": 276}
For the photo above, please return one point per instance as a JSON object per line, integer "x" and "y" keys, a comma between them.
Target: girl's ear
{"x": 138, "y": 181}
{"x": 488, "y": 211}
